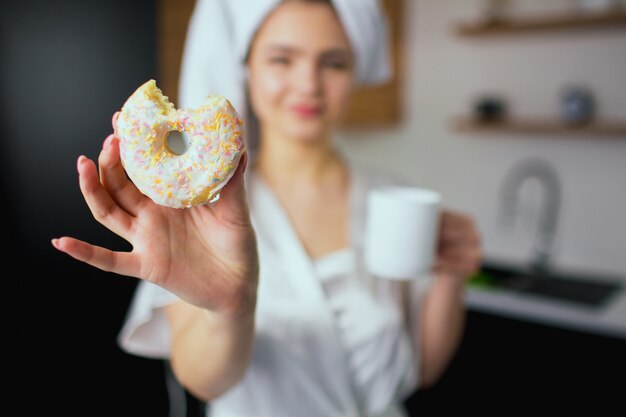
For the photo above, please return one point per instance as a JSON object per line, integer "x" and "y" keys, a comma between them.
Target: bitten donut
{"x": 216, "y": 143}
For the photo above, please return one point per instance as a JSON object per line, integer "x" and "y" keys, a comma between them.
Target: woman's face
{"x": 300, "y": 71}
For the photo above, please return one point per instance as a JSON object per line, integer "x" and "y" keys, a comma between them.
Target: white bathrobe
{"x": 330, "y": 339}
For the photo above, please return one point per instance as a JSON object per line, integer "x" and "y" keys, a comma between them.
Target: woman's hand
{"x": 206, "y": 255}
{"x": 459, "y": 251}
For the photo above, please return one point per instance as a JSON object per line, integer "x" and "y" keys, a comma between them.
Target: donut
{"x": 216, "y": 143}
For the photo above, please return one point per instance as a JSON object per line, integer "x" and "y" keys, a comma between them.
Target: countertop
{"x": 606, "y": 320}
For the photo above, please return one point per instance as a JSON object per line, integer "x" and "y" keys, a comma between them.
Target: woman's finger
{"x": 232, "y": 206}
{"x": 123, "y": 263}
{"x": 102, "y": 206}
{"x": 458, "y": 231}
{"x": 467, "y": 261}
{"x": 113, "y": 177}
{"x": 454, "y": 219}
{"x": 116, "y": 115}
{"x": 462, "y": 271}
{"x": 455, "y": 254}
{"x": 454, "y": 239}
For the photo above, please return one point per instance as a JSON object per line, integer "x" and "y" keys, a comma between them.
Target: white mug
{"x": 401, "y": 231}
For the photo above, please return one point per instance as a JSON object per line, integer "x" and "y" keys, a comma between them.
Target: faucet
{"x": 548, "y": 178}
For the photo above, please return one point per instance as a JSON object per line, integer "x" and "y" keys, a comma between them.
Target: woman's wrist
{"x": 240, "y": 307}
{"x": 452, "y": 283}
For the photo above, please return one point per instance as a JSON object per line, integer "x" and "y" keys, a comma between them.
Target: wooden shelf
{"x": 571, "y": 20}
{"x": 615, "y": 129}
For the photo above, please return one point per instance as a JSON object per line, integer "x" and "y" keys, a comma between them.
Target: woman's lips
{"x": 307, "y": 111}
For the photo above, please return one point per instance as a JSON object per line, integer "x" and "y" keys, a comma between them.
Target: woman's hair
{"x": 251, "y": 126}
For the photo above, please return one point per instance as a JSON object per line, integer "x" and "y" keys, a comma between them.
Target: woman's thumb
{"x": 233, "y": 199}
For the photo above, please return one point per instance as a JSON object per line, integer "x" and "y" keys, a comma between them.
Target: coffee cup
{"x": 401, "y": 231}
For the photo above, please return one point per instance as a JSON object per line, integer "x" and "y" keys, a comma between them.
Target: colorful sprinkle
{"x": 172, "y": 180}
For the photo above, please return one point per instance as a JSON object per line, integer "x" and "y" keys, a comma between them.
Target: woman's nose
{"x": 307, "y": 79}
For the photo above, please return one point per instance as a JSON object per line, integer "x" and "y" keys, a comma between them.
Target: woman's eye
{"x": 280, "y": 60}
{"x": 336, "y": 65}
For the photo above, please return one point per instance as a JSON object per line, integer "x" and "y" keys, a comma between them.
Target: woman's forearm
{"x": 441, "y": 327}
{"x": 210, "y": 352}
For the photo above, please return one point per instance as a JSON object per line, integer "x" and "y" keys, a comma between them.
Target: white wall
{"x": 445, "y": 73}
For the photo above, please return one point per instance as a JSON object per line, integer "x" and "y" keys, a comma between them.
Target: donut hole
{"x": 177, "y": 142}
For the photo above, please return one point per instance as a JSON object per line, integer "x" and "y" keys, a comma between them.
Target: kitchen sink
{"x": 585, "y": 290}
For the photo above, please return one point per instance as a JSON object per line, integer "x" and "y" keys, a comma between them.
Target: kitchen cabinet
{"x": 510, "y": 367}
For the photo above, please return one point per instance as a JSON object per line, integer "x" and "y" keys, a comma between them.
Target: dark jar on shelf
{"x": 577, "y": 105}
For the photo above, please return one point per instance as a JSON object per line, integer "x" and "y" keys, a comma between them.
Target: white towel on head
{"x": 220, "y": 33}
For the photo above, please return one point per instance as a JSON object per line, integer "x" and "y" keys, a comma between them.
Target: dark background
{"x": 67, "y": 66}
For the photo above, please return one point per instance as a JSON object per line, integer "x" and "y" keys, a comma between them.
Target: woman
{"x": 260, "y": 299}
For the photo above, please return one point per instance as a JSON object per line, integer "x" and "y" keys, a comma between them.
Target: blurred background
{"x": 514, "y": 110}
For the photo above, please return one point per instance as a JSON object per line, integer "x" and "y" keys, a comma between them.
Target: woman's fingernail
{"x": 107, "y": 142}
{"x": 245, "y": 162}
{"x": 55, "y": 243}
{"x": 81, "y": 159}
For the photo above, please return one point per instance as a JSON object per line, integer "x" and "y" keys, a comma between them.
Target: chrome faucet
{"x": 546, "y": 233}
